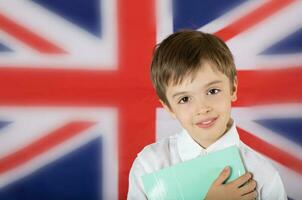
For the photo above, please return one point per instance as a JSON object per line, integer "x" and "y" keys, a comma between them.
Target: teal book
{"x": 193, "y": 178}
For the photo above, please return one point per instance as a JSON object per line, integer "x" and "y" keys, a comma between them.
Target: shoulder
{"x": 267, "y": 177}
{"x": 255, "y": 162}
{"x": 158, "y": 155}
{"x": 151, "y": 158}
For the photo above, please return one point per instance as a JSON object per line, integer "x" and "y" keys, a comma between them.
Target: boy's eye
{"x": 213, "y": 91}
{"x": 184, "y": 100}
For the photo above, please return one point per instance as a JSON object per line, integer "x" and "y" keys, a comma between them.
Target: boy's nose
{"x": 203, "y": 108}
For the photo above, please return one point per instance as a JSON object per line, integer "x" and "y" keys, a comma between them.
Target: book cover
{"x": 193, "y": 178}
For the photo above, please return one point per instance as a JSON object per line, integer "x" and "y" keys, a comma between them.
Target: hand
{"x": 242, "y": 188}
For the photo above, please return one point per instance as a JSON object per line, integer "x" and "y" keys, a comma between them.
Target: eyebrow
{"x": 207, "y": 85}
{"x": 212, "y": 83}
{"x": 178, "y": 94}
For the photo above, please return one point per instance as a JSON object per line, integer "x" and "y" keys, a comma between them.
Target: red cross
{"x": 129, "y": 88}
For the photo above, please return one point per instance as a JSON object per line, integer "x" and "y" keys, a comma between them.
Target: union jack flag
{"x": 77, "y": 104}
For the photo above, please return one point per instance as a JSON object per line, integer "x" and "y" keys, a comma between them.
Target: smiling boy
{"x": 195, "y": 78}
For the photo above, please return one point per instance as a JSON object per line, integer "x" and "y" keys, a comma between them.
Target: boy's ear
{"x": 167, "y": 108}
{"x": 234, "y": 90}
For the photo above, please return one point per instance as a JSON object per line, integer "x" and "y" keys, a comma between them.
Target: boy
{"x": 195, "y": 78}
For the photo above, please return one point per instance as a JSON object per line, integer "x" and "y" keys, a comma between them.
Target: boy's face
{"x": 203, "y": 106}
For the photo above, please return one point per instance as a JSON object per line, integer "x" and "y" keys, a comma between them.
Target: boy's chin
{"x": 205, "y": 139}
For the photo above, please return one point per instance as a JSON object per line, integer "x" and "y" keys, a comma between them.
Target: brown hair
{"x": 183, "y": 53}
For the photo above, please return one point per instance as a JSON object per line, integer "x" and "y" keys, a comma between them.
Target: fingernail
{"x": 227, "y": 168}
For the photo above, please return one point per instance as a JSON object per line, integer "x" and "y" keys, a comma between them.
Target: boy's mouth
{"x": 207, "y": 123}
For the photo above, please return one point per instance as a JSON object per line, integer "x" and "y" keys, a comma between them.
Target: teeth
{"x": 207, "y": 122}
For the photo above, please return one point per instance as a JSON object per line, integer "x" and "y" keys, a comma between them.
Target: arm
{"x": 135, "y": 190}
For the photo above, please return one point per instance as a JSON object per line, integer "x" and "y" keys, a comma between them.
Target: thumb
{"x": 222, "y": 176}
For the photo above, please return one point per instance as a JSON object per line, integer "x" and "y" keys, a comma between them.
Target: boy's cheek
{"x": 187, "y": 111}
{"x": 224, "y": 108}
{"x": 183, "y": 114}
{"x": 221, "y": 100}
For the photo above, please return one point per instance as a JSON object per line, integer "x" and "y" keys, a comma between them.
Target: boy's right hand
{"x": 234, "y": 190}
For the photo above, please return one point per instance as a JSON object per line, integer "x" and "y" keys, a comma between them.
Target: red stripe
{"x": 42, "y": 145}
{"x": 271, "y": 151}
{"x": 270, "y": 86}
{"x": 27, "y": 37}
{"x": 136, "y": 39}
{"x": 252, "y": 18}
{"x": 60, "y": 87}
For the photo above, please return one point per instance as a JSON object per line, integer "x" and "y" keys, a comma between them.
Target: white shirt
{"x": 181, "y": 147}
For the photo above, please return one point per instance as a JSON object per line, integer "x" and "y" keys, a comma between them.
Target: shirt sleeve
{"x": 135, "y": 190}
{"x": 274, "y": 189}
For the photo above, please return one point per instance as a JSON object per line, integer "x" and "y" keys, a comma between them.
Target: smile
{"x": 207, "y": 123}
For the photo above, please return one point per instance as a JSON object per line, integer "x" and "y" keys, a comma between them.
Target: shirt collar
{"x": 189, "y": 149}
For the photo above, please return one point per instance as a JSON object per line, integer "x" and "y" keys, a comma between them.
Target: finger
{"x": 248, "y": 187}
{"x": 242, "y": 179}
{"x": 222, "y": 176}
{"x": 250, "y": 196}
